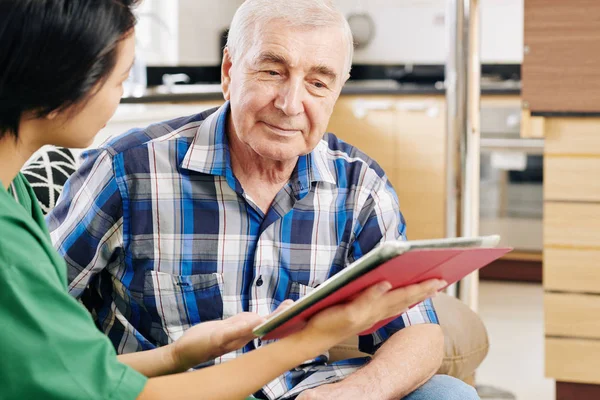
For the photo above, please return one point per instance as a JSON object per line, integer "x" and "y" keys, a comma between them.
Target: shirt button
{"x": 259, "y": 282}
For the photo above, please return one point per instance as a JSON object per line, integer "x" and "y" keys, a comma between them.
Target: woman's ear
{"x": 52, "y": 115}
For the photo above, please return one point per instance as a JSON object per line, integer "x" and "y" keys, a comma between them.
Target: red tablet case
{"x": 414, "y": 266}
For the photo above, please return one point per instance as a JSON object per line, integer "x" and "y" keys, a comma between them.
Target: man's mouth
{"x": 283, "y": 131}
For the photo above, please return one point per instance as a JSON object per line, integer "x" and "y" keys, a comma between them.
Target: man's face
{"x": 283, "y": 88}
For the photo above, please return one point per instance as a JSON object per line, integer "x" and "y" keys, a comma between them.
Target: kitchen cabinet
{"x": 560, "y": 63}
{"x": 561, "y": 88}
{"x": 571, "y": 270}
{"x": 567, "y": 315}
{"x": 571, "y": 253}
{"x": 575, "y": 362}
{"x": 406, "y": 135}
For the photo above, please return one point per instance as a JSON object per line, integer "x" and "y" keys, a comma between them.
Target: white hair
{"x": 253, "y": 14}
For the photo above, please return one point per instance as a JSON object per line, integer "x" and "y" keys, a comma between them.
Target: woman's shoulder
{"x": 21, "y": 237}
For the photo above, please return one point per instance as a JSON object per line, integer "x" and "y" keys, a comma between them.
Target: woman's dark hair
{"x": 54, "y": 52}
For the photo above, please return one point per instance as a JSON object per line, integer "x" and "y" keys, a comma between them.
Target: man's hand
{"x": 208, "y": 340}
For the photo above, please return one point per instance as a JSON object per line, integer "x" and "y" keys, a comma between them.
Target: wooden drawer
{"x": 573, "y": 315}
{"x": 573, "y": 360}
{"x": 572, "y": 136}
{"x": 572, "y": 225}
{"x": 572, "y": 270}
{"x": 572, "y": 178}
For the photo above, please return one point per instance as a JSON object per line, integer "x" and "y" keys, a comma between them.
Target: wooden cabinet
{"x": 572, "y": 252}
{"x": 406, "y": 135}
{"x": 572, "y": 178}
{"x": 570, "y": 269}
{"x": 560, "y": 63}
{"x": 568, "y": 315}
{"x": 561, "y": 77}
{"x": 574, "y": 360}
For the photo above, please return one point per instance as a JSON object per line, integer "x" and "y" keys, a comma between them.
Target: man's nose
{"x": 290, "y": 97}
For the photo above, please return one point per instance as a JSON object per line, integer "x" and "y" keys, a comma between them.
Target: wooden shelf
{"x": 517, "y": 266}
{"x": 524, "y": 256}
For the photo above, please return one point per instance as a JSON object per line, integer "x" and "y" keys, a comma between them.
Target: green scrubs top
{"x": 50, "y": 347}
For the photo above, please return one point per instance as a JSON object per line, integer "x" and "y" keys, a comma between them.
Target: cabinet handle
{"x": 529, "y": 146}
{"x": 430, "y": 108}
{"x": 361, "y": 108}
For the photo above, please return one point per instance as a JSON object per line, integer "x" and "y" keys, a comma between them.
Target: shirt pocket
{"x": 177, "y": 302}
{"x": 298, "y": 290}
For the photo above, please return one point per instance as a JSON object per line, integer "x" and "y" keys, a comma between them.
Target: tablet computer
{"x": 448, "y": 259}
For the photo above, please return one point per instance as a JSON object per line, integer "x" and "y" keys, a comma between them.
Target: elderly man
{"x": 241, "y": 207}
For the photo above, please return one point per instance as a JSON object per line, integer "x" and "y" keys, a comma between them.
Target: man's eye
{"x": 272, "y": 73}
{"x": 319, "y": 85}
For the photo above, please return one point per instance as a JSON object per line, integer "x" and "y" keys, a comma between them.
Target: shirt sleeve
{"x": 51, "y": 348}
{"x": 381, "y": 220}
{"x": 86, "y": 226}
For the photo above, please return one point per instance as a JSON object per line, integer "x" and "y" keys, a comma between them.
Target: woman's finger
{"x": 282, "y": 306}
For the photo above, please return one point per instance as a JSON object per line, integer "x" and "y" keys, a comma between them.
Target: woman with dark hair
{"x": 62, "y": 67}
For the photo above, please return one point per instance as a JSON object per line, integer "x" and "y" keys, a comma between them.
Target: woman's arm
{"x": 245, "y": 375}
{"x": 199, "y": 344}
{"x": 151, "y": 363}
{"x": 235, "y": 379}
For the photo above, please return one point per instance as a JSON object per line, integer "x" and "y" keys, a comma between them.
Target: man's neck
{"x": 261, "y": 178}
{"x": 247, "y": 163}
{"x": 14, "y": 153}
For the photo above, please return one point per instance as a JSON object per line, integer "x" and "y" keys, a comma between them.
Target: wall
{"x": 414, "y": 31}
{"x": 202, "y": 26}
{"x": 183, "y": 32}
{"x": 407, "y": 31}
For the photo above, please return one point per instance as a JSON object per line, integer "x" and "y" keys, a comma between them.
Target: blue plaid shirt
{"x": 159, "y": 235}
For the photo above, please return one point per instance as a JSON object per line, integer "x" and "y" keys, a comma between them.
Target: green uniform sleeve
{"x": 51, "y": 348}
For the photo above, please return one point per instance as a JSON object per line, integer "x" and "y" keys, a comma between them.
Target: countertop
{"x": 203, "y": 92}
{"x": 565, "y": 114}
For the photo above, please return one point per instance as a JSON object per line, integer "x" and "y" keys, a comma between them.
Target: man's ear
{"x": 346, "y": 79}
{"x": 226, "y": 73}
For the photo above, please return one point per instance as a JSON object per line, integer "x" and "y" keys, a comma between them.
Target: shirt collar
{"x": 209, "y": 153}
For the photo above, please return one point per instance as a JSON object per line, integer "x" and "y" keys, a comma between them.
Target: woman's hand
{"x": 375, "y": 304}
{"x": 208, "y": 340}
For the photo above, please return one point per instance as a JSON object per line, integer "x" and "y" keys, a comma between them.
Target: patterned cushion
{"x": 48, "y": 173}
